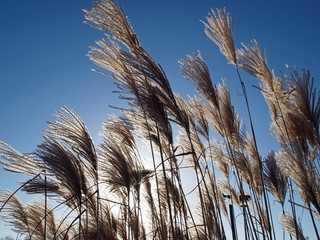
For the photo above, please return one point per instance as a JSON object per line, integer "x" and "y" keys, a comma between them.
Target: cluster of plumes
{"x": 294, "y": 108}
{"x": 109, "y": 192}
{"x": 29, "y": 219}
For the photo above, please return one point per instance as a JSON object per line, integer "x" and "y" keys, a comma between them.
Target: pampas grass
{"x": 108, "y": 191}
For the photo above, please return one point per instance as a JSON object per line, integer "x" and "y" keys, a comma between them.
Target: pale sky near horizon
{"x": 43, "y": 62}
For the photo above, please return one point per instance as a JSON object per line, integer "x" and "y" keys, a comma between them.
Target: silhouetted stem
{"x": 313, "y": 222}
{"x": 198, "y": 182}
{"x": 79, "y": 216}
{"x": 166, "y": 183}
{"x": 18, "y": 190}
{"x": 256, "y": 148}
{"x": 45, "y": 207}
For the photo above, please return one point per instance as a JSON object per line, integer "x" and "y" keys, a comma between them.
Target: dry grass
{"x": 109, "y": 192}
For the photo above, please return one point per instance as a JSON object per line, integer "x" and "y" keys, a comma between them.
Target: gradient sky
{"x": 43, "y": 62}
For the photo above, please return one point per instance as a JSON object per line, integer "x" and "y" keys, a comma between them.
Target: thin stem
{"x": 198, "y": 182}
{"x": 256, "y": 147}
{"x": 19, "y": 189}
{"x": 166, "y": 183}
{"x": 313, "y": 222}
{"x": 79, "y": 216}
{"x": 45, "y": 207}
{"x": 291, "y": 198}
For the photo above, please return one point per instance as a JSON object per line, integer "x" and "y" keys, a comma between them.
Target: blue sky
{"x": 43, "y": 62}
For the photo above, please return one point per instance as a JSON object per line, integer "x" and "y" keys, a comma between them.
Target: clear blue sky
{"x": 43, "y": 64}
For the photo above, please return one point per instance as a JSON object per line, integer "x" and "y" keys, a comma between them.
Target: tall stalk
{"x": 162, "y": 232}
{"x": 256, "y": 148}
{"x": 196, "y": 167}
{"x": 313, "y": 222}
{"x": 166, "y": 183}
{"x": 45, "y": 206}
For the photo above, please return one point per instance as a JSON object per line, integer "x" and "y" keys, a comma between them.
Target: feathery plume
{"x": 220, "y": 30}
{"x": 221, "y": 159}
{"x": 298, "y": 166}
{"x": 251, "y": 60}
{"x": 65, "y": 166}
{"x": 306, "y": 100}
{"x": 17, "y": 162}
{"x": 39, "y": 186}
{"x": 196, "y": 71}
{"x": 121, "y": 128}
{"x": 275, "y": 180}
{"x": 71, "y": 131}
{"x": 108, "y": 17}
{"x": 289, "y": 225}
{"x": 18, "y": 215}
